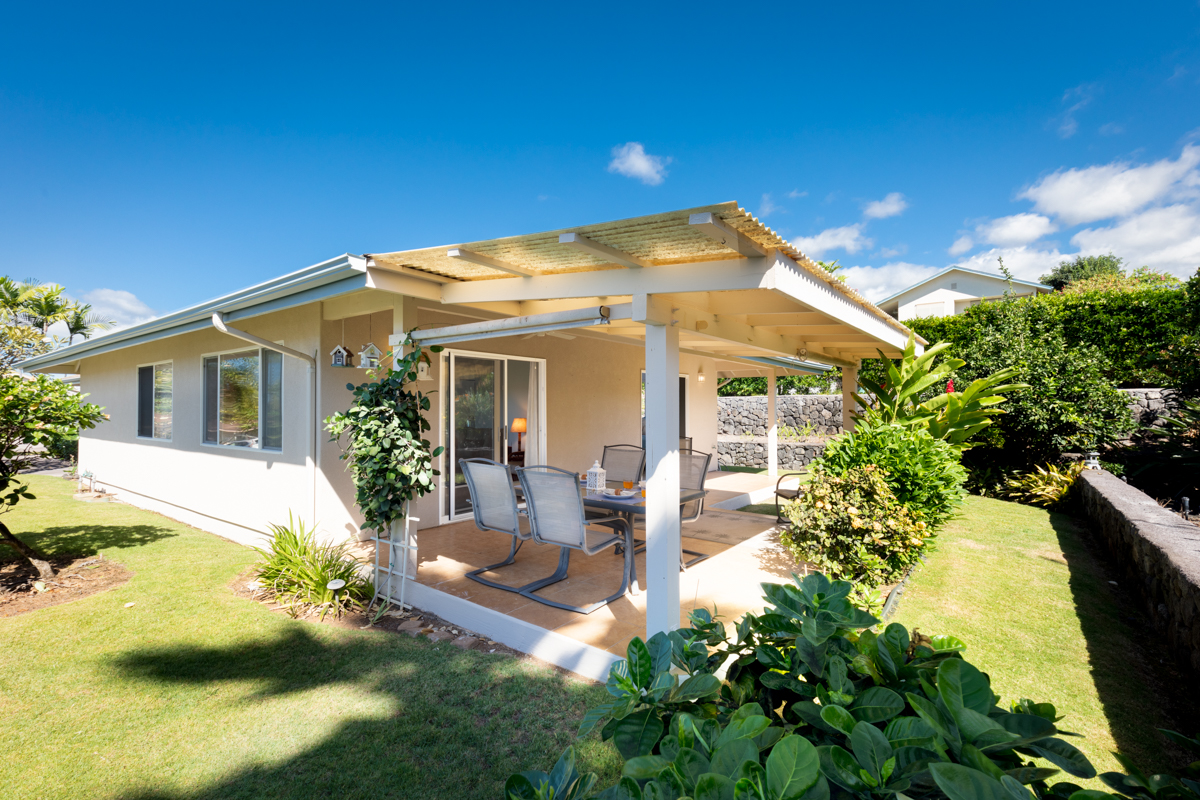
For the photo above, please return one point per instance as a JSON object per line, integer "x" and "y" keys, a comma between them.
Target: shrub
{"x": 1048, "y": 486}
{"x": 924, "y": 473}
{"x": 296, "y": 569}
{"x": 813, "y": 706}
{"x": 64, "y": 448}
{"x": 851, "y": 527}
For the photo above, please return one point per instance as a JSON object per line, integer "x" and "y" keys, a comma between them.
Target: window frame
{"x": 261, "y": 399}
{"x": 138, "y": 402}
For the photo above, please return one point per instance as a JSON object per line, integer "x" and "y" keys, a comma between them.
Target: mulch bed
{"x": 21, "y": 591}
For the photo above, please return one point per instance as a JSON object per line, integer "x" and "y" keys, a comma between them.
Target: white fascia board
{"x": 801, "y": 286}
{"x": 704, "y": 276}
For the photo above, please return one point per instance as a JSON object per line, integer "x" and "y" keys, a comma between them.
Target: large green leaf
{"x": 593, "y": 717}
{"x": 697, "y": 687}
{"x": 641, "y": 665}
{"x": 871, "y": 749}
{"x": 961, "y": 685}
{"x": 636, "y": 734}
{"x": 746, "y": 728}
{"x": 1024, "y": 729}
{"x": 1065, "y": 755}
{"x": 877, "y": 704}
{"x": 839, "y": 718}
{"x": 712, "y": 786}
{"x": 728, "y": 758}
{"x": 906, "y": 731}
{"x": 964, "y": 783}
{"x": 626, "y": 789}
{"x": 839, "y": 766}
{"x": 792, "y": 768}
{"x": 659, "y": 646}
{"x": 691, "y": 764}
{"x": 931, "y": 714}
{"x": 644, "y": 767}
{"x": 974, "y": 757}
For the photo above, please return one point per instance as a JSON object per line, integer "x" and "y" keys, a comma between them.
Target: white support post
{"x": 402, "y": 538}
{"x": 772, "y": 428}
{"x": 849, "y": 387}
{"x": 662, "y": 478}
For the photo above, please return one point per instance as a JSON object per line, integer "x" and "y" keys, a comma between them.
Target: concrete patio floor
{"x": 745, "y": 551}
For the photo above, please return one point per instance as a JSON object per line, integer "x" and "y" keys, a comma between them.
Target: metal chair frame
{"x": 638, "y": 474}
{"x": 786, "y": 494}
{"x": 519, "y": 537}
{"x": 641, "y": 543}
{"x": 624, "y": 536}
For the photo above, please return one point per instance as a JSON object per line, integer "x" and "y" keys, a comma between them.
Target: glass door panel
{"x": 477, "y": 428}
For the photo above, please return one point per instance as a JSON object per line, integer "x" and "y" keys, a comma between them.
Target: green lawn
{"x": 767, "y": 508}
{"x": 193, "y": 692}
{"x": 1023, "y": 589}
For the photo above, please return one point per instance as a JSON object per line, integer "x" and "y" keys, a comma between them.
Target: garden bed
{"x": 22, "y": 591}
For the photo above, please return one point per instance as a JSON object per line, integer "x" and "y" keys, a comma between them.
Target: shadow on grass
{"x": 1137, "y": 683}
{"x": 457, "y": 725}
{"x": 86, "y": 540}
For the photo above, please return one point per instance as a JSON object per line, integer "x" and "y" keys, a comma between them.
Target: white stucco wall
{"x": 951, "y": 294}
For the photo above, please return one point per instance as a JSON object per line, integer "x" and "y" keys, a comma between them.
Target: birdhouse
{"x": 342, "y": 357}
{"x": 368, "y": 357}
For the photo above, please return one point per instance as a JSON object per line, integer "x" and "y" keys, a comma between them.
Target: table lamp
{"x": 518, "y": 427}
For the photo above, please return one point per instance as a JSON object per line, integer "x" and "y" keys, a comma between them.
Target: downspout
{"x": 219, "y": 323}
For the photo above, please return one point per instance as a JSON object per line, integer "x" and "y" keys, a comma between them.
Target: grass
{"x": 1025, "y": 591}
{"x": 193, "y": 692}
{"x": 767, "y": 508}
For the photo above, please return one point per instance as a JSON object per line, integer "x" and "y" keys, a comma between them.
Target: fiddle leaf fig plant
{"x": 390, "y": 462}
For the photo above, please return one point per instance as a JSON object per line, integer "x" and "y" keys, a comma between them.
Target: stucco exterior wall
{"x": 234, "y": 492}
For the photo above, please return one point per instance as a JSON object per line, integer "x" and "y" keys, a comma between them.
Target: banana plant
{"x": 953, "y": 416}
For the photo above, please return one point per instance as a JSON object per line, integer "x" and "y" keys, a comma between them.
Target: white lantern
{"x": 596, "y": 479}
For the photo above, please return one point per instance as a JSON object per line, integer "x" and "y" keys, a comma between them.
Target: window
{"x": 154, "y": 401}
{"x": 243, "y": 399}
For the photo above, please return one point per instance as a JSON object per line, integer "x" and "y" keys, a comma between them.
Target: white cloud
{"x": 876, "y": 283}
{"x": 889, "y": 206}
{"x": 1068, "y": 125}
{"x": 632, "y": 161}
{"x": 1094, "y": 193}
{"x": 892, "y": 252}
{"x": 118, "y": 305}
{"x": 1111, "y": 129}
{"x": 961, "y": 245}
{"x": 796, "y": 194}
{"x": 1026, "y": 263}
{"x": 1166, "y": 239}
{"x": 1016, "y": 230}
{"x": 767, "y": 207}
{"x": 848, "y": 237}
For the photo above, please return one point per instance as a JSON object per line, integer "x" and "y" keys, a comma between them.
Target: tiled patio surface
{"x": 745, "y": 547}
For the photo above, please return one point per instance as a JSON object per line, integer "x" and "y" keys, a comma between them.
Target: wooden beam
{"x": 715, "y": 228}
{"x": 601, "y": 251}
{"x": 488, "y": 261}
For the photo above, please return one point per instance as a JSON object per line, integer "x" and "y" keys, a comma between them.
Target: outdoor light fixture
{"x": 520, "y": 425}
{"x": 700, "y": 375}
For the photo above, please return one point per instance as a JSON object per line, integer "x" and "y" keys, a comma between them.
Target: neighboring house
{"x": 952, "y": 291}
{"x": 216, "y": 411}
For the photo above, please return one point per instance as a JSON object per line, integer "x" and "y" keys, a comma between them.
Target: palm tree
{"x": 83, "y": 321}
{"x": 45, "y": 305}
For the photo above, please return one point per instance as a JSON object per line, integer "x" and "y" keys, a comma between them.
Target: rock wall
{"x": 1157, "y": 551}
{"x": 1148, "y": 405}
{"x": 747, "y": 416}
{"x": 751, "y": 451}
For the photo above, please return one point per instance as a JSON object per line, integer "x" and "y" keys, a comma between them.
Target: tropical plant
{"x": 1082, "y": 268}
{"x": 1047, "y": 486}
{"x": 816, "y": 706}
{"x": 1136, "y": 785}
{"x": 296, "y": 570}
{"x": 952, "y": 416}
{"x": 35, "y": 410}
{"x": 82, "y": 321}
{"x": 390, "y": 462}
{"x": 924, "y": 473}
{"x": 852, "y": 527}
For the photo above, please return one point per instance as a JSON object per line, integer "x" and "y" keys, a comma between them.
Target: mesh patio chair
{"x": 788, "y": 496}
{"x": 685, "y": 443}
{"x": 693, "y": 472}
{"x": 556, "y": 517}
{"x": 623, "y": 462}
{"x": 494, "y": 502}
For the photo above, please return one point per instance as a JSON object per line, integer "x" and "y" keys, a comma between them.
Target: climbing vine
{"x": 390, "y": 461}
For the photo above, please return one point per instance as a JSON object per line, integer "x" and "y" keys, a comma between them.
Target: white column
{"x": 849, "y": 387}
{"x": 662, "y": 478}
{"x": 397, "y": 527}
{"x": 772, "y": 428}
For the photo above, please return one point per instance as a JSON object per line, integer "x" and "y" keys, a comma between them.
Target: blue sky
{"x": 152, "y": 156}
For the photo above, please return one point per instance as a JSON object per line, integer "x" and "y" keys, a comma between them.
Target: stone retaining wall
{"x": 1148, "y": 405}
{"x": 747, "y": 416}
{"x": 1155, "y": 550}
{"x": 751, "y": 451}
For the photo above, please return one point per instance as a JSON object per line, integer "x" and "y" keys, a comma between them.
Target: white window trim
{"x": 203, "y": 388}
{"x": 138, "y": 436}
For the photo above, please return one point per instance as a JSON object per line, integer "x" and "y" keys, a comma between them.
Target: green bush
{"x": 924, "y": 473}
{"x": 64, "y": 448}
{"x": 851, "y": 527}
{"x": 814, "y": 706}
{"x": 296, "y": 569}
{"x": 1047, "y": 486}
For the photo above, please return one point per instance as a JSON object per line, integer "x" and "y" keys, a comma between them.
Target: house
{"x": 216, "y": 411}
{"x": 952, "y": 291}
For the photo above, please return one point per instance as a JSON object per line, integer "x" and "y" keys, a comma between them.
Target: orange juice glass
{"x": 627, "y": 484}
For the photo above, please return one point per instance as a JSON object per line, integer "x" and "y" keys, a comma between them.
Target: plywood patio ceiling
{"x": 658, "y": 239}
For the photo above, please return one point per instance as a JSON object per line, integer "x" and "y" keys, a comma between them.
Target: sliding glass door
{"x": 492, "y": 410}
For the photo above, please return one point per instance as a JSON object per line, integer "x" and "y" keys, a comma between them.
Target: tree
{"x": 83, "y": 321}
{"x": 1083, "y": 268}
{"x": 34, "y": 410}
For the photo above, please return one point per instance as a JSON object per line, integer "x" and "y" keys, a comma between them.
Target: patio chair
{"x": 623, "y": 462}
{"x": 693, "y": 472}
{"x": 685, "y": 443}
{"x": 556, "y": 517}
{"x": 496, "y": 509}
{"x": 787, "y": 494}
